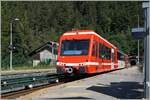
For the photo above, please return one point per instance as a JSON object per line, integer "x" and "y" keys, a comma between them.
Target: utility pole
{"x": 53, "y": 55}
{"x": 145, "y": 6}
{"x": 140, "y": 33}
{"x": 138, "y": 41}
{"x": 11, "y": 47}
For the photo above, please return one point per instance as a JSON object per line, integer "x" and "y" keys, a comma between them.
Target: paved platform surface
{"x": 120, "y": 84}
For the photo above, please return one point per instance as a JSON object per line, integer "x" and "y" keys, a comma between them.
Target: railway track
{"x": 13, "y": 95}
{"x": 29, "y": 89}
{"x": 17, "y": 86}
{"x": 50, "y": 81}
{"x": 18, "y": 83}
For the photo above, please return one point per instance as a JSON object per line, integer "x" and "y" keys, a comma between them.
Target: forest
{"x": 41, "y": 21}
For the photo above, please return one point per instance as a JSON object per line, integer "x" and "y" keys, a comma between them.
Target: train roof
{"x": 74, "y": 32}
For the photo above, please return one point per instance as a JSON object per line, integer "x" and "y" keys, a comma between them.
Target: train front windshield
{"x": 74, "y": 47}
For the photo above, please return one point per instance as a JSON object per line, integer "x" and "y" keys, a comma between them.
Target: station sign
{"x": 138, "y": 33}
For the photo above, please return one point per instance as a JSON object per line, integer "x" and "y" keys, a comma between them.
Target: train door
{"x": 97, "y": 55}
{"x": 94, "y": 68}
{"x": 112, "y": 58}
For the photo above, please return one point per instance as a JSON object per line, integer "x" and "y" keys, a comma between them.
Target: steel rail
{"x": 16, "y": 94}
{"x": 13, "y": 80}
{"x": 13, "y": 95}
{"x": 10, "y": 85}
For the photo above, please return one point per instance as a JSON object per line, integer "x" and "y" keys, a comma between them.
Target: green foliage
{"x": 44, "y": 21}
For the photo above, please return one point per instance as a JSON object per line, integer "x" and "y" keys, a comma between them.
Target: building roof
{"x": 45, "y": 46}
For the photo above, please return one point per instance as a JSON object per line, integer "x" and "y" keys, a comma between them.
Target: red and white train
{"x": 86, "y": 52}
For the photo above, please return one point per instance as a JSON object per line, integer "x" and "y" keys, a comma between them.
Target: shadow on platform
{"x": 121, "y": 90}
{"x": 70, "y": 98}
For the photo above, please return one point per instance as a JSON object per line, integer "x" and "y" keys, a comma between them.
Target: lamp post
{"x": 11, "y": 44}
{"x": 145, "y": 6}
{"x": 140, "y": 33}
{"x": 138, "y": 40}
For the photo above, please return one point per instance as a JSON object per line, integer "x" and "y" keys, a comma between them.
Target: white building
{"x": 44, "y": 54}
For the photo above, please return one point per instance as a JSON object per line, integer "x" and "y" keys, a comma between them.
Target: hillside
{"x": 44, "y": 21}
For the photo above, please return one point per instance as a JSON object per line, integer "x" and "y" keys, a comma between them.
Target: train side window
{"x": 94, "y": 49}
{"x": 112, "y": 57}
{"x": 121, "y": 56}
{"x": 118, "y": 55}
{"x": 103, "y": 54}
{"x": 97, "y": 49}
{"x": 106, "y": 52}
{"x": 100, "y": 50}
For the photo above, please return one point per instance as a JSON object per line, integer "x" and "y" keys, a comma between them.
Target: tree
{"x": 44, "y": 21}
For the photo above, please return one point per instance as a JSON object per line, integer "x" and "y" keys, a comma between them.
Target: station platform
{"x": 120, "y": 84}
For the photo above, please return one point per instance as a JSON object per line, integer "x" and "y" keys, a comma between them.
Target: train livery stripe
{"x": 78, "y": 64}
{"x": 84, "y": 63}
{"x": 69, "y": 33}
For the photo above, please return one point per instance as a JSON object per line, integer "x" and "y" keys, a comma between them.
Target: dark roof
{"x": 47, "y": 46}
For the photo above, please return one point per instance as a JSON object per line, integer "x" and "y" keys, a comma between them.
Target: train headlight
{"x": 69, "y": 70}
